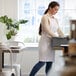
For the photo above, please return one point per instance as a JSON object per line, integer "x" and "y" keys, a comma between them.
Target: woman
{"x": 48, "y": 28}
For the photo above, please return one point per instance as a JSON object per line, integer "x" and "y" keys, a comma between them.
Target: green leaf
{"x": 23, "y": 21}
{"x": 8, "y": 35}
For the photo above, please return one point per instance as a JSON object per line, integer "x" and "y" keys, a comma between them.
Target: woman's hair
{"x": 51, "y": 5}
{"x": 40, "y": 29}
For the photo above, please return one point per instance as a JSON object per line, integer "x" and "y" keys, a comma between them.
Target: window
{"x": 32, "y": 10}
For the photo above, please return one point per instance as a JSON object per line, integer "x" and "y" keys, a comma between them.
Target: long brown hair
{"x": 51, "y": 5}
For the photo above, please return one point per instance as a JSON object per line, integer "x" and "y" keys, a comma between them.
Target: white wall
{"x": 8, "y": 7}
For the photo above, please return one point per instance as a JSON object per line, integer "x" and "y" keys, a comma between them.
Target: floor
{"x": 59, "y": 68}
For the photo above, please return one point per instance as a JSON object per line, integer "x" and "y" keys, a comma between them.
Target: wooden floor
{"x": 63, "y": 66}
{"x": 60, "y": 67}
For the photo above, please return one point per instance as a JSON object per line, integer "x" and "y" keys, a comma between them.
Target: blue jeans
{"x": 37, "y": 67}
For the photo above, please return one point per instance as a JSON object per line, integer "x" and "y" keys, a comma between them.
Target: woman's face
{"x": 54, "y": 10}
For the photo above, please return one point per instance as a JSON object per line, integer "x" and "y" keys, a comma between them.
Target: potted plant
{"x": 12, "y": 26}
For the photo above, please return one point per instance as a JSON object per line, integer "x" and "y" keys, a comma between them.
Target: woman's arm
{"x": 60, "y": 33}
{"x": 59, "y": 30}
{"x": 46, "y": 25}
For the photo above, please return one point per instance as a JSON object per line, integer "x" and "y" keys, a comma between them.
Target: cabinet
{"x": 72, "y": 42}
{"x": 73, "y": 29}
